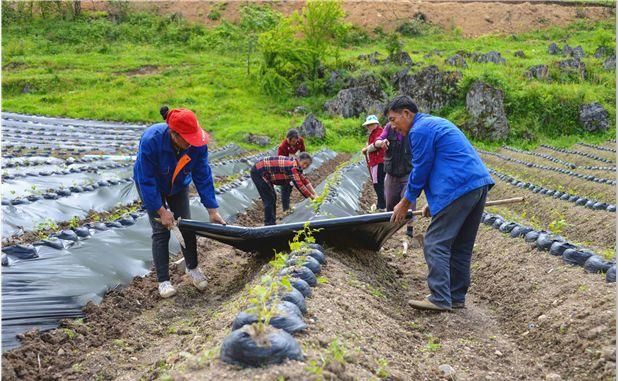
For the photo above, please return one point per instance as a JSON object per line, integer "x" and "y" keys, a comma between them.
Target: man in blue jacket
{"x": 455, "y": 181}
{"x": 170, "y": 155}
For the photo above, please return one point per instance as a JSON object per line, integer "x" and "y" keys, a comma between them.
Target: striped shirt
{"x": 280, "y": 170}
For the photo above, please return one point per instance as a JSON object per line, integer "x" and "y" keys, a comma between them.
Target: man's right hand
{"x": 167, "y": 218}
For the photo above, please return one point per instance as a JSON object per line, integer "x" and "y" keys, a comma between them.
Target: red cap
{"x": 184, "y": 122}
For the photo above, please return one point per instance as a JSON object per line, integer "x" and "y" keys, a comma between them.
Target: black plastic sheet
{"x": 367, "y": 231}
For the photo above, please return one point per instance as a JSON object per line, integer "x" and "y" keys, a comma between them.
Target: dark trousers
{"x": 179, "y": 205}
{"x": 448, "y": 247}
{"x": 379, "y": 187}
{"x": 268, "y": 196}
{"x": 286, "y": 192}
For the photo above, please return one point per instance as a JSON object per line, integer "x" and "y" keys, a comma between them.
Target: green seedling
{"x": 74, "y": 222}
{"x": 433, "y": 344}
{"x": 381, "y": 371}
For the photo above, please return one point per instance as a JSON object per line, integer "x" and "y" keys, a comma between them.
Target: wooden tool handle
{"x": 513, "y": 200}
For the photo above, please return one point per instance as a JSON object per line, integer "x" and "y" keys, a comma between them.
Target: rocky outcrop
{"x": 430, "y": 88}
{"x": 355, "y": 101}
{"x": 401, "y": 58}
{"x": 484, "y": 104}
{"x": 312, "y": 127}
{"x": 610, "y": 63}
{"x": 572, "y": 67}
{"x": 576, "y": 52}
{"x": 540, "y": 72}
{"x": 491, "y": 56}
{"x": 457, "y": 60}
{"x": 260, "y": 140}
{"x": 600, "y": 52}
{"x": 520, "y": 54}
{"x": 593, "y": 117}
{"x": 302, "y": 90}
{"x": 554, "y": 49}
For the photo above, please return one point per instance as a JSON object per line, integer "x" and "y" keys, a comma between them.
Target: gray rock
{"x": 355, "y": 101}
{"x": 401, "y": 58}
{"x": 312, "y": 127}
{"x": 486, "y": 109}
{"x": 600, "y": 52}
{"x": 573, "y": 66}
{"x": 540, "y": 72}
{"x": 554, "y": 49}
{"x": 610, "y": 63}
{"x": 448, "y": 372}
{"x": 373, "y": 58}
{"x": 576, "y": 52}
{"x": 397, "y": 77}
{"x": 491, "y": 56}
{"x": 302, "y": 90}
{"x": 431, "y": 88}
{"x": 593, "y": 117}
{"x": 364, "y": 79}
{"x": 260, "y": 140}
{"x": 334, "y": 82}
{"x": 520, "y": 54}
{"x": 457, "y": 60}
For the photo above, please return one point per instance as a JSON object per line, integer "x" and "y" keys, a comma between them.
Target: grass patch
{"x": 83, "y": 68}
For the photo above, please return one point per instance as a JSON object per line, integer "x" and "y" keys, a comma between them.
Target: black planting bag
{"x": 295, "y": 297}
{"x": 300, "y": 272}
{"x": 309, "y": 262}
{"x": 558, "y": 248}
{"x": 240, "y": 348}
{"x": 545, "y": 240}
{"x": 575, "y": 256}
{"x": 507, "y": 227}
{"x": 314, "y": 253}
{"x": 82, "y": 232}
{"x": 520, "y": 231}
{"x": 317, "y": 247}
{"x": 531, "y": 236}
{"x": 597, "y": 265}
{"x": 286, "y": 319}
{"x": 610, "y": 276}
{"x": 301, "y": 286}
{"x": 53, "y": 242}
{"x": 68, "y": 235}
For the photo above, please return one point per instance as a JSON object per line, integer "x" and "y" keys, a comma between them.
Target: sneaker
{"x": 198, "y": 278}
{"x": 166, "y": 290}
{"x": 458, "y": 306}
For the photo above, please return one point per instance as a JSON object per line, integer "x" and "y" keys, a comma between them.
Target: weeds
{"x": 382, "y": 369}
{"x": 433, "y": 344}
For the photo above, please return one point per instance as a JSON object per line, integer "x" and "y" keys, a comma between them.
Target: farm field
{"x": 79, "y": 294}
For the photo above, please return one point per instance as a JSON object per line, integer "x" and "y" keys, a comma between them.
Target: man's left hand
{"x": 215, "y": 217}
{"x": 400, "y": 211}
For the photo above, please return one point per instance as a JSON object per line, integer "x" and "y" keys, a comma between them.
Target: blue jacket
{"x": 156, "y": 164}
{"x": 444, "y": 163}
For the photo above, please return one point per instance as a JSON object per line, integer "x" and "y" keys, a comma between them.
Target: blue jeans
{"x": 448, "y": 247}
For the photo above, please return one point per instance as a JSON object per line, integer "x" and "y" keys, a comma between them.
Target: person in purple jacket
{"x": 170, "y": 156}
{"x": 447, "y": 168}
{"x": 397, "y": 165}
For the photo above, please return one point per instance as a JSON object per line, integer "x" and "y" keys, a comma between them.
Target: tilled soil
{"x": 580, "y": 159}
{"x": 123, "y": 334}
{"x": 593, "y": 228}
{"x": 555, "y": 180}
{"x": 527, "y": 316}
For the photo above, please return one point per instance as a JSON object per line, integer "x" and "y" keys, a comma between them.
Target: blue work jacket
{"x": 444, "y": 164}
{"x": 159, "y": 172}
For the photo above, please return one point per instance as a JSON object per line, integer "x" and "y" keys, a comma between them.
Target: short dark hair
{"x": 400, "y": 103}
{"x": 304, "y": 156}
{"x": 163, "y": 111}
{"x": 293, "y": 133}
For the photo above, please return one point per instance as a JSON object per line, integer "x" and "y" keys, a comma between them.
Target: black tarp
{"x": 367, "y": 231}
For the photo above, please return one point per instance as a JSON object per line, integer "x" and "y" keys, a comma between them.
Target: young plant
{"x": 263, "y": 299}
{"x": 74, "y": 222}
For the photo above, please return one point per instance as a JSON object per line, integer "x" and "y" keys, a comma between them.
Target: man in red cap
{"x": 169, "y": 157}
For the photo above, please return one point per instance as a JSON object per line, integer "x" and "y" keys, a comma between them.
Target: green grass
{"x": 79, "y": 69}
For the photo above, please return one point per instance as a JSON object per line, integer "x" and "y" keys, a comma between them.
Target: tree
{"x": 256, "y": 20}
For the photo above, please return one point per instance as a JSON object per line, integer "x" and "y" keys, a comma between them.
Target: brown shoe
{"x": 426, "y": 305}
